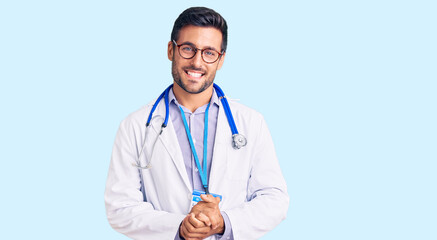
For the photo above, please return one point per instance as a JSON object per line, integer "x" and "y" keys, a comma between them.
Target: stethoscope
{"x": 238, "y": 140}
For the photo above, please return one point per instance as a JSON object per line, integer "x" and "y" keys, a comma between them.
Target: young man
{"x": 156, "y": 172}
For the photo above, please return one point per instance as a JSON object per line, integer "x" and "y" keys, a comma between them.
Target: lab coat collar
{"x": 170, "y": 142}
{"x": 222, "y": 146}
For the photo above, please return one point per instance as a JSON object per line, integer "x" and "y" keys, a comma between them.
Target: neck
{"x": 192, "y": 101}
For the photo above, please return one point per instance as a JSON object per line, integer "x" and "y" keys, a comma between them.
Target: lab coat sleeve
{"x": 267, "y": 197}
{"x": 126, "y": 210}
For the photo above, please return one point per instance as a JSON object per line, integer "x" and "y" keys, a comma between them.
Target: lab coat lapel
{"x": 221, "y": 147}
{"x": 169, "y": 140}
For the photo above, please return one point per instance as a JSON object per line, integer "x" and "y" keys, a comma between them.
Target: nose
{"x": 197, "y": 59}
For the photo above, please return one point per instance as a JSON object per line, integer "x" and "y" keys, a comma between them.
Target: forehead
{"x": 201, "y": 36}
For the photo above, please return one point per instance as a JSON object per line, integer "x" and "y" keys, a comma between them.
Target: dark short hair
{"x": 201, "y": 17}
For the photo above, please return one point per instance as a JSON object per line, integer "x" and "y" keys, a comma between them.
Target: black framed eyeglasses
{"x": 188, "y": 51}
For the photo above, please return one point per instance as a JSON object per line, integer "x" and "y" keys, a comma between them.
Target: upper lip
{"x": 194, "y": 71}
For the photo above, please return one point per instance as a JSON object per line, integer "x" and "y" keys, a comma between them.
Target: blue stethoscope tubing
{"x": 238, "y": 140}
{"x": 165, "y": 95}
{"x": 227, "y": 109}
{"x": 220, "y": 95}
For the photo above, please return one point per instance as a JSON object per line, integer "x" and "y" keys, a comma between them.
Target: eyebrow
{"x": 194, "y": 45}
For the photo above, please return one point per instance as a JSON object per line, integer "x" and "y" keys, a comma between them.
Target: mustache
{"x": 194, "y": 69}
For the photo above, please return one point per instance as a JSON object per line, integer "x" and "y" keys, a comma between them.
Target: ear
{"x": 221, "y": 60}
{"x": 170, "y": 51}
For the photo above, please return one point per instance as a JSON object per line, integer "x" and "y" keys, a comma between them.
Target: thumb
{"x": 207, "y": 198}
{"x": 210, "y": 198}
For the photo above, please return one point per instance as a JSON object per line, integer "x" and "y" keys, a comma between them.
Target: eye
{"x": 209, "y": 53}
{"x": 187, "y": 48}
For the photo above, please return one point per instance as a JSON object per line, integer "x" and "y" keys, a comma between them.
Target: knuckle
{"x": 197, "y": 225}
{"x": 189, "y": 228}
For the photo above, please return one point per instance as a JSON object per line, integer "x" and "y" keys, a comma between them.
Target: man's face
{"x": 195, "y": 75}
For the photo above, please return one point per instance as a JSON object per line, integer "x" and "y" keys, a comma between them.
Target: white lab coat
{"x": 249, "y": 179}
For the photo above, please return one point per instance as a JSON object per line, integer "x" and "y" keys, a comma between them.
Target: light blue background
{"x": 348, "y": 89}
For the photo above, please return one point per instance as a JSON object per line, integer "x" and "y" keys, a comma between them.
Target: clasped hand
{"x": 204, "y": 219}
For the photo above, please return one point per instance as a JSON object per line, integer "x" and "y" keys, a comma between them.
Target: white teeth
{"x": 194, "y": 74}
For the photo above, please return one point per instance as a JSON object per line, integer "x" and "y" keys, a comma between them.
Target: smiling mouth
{"x": 194, "y": 74}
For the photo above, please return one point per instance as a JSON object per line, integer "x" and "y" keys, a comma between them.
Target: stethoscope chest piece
{"x": 238, "y": 141}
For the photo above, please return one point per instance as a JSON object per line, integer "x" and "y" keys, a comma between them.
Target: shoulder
{"x": 247, "y": 119}
{"x": 243, "y": 110}
{"x": 138, "y": 117}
